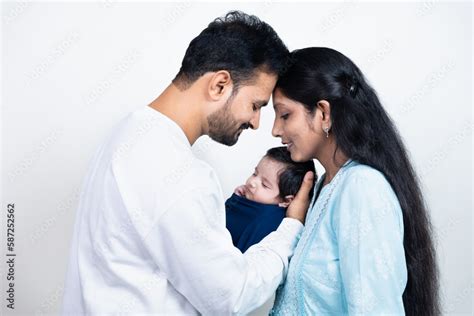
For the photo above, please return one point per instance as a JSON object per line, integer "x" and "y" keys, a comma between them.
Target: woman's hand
{"x": 241, "y": 190}
{"x": 299, "y": 206}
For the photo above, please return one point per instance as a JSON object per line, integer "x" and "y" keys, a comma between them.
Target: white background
{"x": 70, "y": 71}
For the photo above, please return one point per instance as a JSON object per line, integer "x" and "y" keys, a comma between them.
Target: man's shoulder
{"x": 146, "y": 136}
{"x": 200, "y": 176}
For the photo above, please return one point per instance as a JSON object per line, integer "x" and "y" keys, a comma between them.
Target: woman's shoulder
{"x": 357, "y": 174}
{"x": 361, "y": 183}
{"x": 365, "y": 193}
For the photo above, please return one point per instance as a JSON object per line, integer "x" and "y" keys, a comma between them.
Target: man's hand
{"x": 299, "y": 206}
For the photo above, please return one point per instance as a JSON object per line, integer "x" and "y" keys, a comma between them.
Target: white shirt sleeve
{"x": 193, "y": 248}
{"x": 175, "y": 203}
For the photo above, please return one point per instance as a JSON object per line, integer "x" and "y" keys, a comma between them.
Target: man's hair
{"x": 291, "y": 177}
{"x": 239, "y": 43}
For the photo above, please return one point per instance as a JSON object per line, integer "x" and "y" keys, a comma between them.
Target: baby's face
{"x": 262, "y": 186}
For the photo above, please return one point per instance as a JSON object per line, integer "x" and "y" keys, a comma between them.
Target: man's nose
{"x": 255, "y": 122}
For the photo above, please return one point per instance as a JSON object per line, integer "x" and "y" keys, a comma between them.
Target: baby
{"x": 257, "y": 208}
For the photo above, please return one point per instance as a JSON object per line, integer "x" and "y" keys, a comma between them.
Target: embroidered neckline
{"x": 297, "y": 308}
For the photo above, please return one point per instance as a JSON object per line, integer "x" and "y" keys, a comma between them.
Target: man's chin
{"x": 234, "y": 141}
{"x": 227, "y": 140}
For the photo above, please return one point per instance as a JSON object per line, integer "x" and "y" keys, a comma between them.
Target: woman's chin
{"x": 295, "y": 156}
{"x": 298, "y": 156}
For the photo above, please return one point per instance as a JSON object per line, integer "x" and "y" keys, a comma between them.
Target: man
{"x": 150, "y": 235}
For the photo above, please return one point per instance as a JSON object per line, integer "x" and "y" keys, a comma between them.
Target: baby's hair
{"x": 291, "y": 177}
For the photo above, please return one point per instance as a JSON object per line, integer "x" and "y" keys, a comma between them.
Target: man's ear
{"x": 324, "y": 113}
{"x": 286, "y": 201}
{"x": 220, "y": 84}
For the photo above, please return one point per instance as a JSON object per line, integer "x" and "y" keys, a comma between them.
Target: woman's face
{"x": 300, "y": 130}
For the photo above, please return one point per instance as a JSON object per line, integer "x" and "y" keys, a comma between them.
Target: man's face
{"x": 241, "y": 110}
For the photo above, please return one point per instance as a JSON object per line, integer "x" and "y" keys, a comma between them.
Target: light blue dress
{"x": 350, "y": 258}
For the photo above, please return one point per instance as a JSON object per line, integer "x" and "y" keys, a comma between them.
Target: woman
{"x": 367, "y": 245}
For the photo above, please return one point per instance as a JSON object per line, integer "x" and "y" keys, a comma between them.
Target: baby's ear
{"x": 286, "y": 201}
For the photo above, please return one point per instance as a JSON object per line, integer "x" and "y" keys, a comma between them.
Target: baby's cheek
{"x": 265, "y": 196}
{"x": 258, "y": 197}
{"x": 275, "y": 197}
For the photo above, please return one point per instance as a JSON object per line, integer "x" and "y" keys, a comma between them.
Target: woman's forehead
{"x": 281, "y": 101}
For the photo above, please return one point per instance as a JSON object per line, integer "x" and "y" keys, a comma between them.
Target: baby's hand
{"x": 240, "y": 190}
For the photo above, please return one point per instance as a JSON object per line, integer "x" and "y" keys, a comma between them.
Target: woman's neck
{"x": 331, "y": 163}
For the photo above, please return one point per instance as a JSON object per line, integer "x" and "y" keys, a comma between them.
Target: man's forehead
{"x": 261, "y": 89}
{"x": 265, "y": 81}
{"x": 257, "y": 95}
{"x": 262, "y": 95}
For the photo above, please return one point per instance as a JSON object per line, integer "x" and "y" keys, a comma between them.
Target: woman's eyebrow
{"x": 276, "y": 105}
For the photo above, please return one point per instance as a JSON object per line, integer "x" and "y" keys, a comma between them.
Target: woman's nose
{"x": 276, "y": 130}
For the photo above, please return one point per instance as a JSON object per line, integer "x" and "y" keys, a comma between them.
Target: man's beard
{"x": 222, "y": 126}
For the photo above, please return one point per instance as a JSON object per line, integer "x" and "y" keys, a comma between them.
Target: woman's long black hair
{"x": 364, "y": 132}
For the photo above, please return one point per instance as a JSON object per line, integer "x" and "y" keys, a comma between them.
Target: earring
{"x": 326, "y": 130}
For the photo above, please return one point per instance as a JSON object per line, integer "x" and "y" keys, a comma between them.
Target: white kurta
{"x": 150, "y": 233}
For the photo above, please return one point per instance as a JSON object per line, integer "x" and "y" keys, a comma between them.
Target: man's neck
{"x": 179, "y": 107}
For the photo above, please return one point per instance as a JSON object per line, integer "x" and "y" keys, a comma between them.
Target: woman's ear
{"x": 325, "y": 113}
{"x": 220, "y": 84}
{"x": 286, "y": 201}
